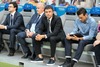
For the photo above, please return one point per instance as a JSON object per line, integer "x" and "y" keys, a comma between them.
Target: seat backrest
{"x": 1, "y": 11}
{"x": 27, "y": 13}
{"x": 5, "y": 12}
{"x": 68, "y": 26}
{"x": 60, "y": 11}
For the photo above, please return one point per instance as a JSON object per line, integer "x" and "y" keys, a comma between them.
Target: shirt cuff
{"x": 5, "y": 27}
{"x": 45, "y": 36}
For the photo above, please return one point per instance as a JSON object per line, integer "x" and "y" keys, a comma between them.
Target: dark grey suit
{"x": 18, "y": 25}
{"x": 55, "y": 36}
{"x": 22, "y": 35}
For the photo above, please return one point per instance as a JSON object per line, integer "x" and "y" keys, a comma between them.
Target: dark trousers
{"x": 80, "y": 48}
{"x": 12, "y": 37}
{"x": 97, "y": 53}
{"x": 53, "y": 41}
{"x": 21, "y": 38}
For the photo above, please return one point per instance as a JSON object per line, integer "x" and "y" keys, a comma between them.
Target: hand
{"x": 30, "y": 34}
{"x": 97, "y": 42}
{"x": 68, "y": 37}
{"x": 39, "y": 37}
{"x": 27, "y": 30}
{"x": 98, "y": 22}
{"x": 75, "y": 38}
{"x": 2, "y": 26}
{"x": 27, "y": 34}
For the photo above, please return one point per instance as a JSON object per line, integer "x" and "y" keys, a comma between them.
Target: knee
{"x": 12, "y": 30}
{"x": 82, "y": 42}
{"x": 52, "y": 38}
{"x": 97, "y": 42}
{"x": 20, "y": 35}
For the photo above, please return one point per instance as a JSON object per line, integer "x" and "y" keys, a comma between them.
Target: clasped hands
{"x": 39, "y": 37}
{"x": 74, "y": 37}
{"x": 28, "y": 33}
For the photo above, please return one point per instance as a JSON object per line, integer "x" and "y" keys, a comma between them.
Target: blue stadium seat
{"x": 53, "y": 7}
{"x": 28, "y": 11}
{"x": 60, "y": 10}
{"x": 20, "y": 8}
{"x": 2, "y": 7}
{"x": 34, "y": 8}
{"x": 6, "y": 6}
{"x": 71, "y": 10}
{"x": 88, "y": 10}
{"x": 95, "y": 11}
{"x": 27, "y": 7}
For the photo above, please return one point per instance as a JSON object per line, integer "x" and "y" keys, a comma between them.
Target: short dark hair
{"x": 48, "y": 7}
{"x": 81, "y": 11}
{"x": 15, "y": 5}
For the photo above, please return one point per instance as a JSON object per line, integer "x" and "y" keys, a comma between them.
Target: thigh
{"x": 55, "y": 38}
{"x": 87, "y": 41}
{"x": 5, "y": 31}
{"x": 15, "y": 31}
{"x": 22, "y": 34}
{"x": 73, "y": 41}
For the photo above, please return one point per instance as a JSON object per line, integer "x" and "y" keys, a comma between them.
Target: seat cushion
{"x": 28, "y": 40}
{"x": 6, "y": 36}
{"x": 88, "y": 47}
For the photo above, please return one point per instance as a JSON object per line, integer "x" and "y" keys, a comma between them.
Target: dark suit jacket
{"x": 18, "y": 22}
{"x": 33, "y": 20}
{"x": 56, "y": 27}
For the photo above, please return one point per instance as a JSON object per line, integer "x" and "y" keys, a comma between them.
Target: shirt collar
{"x": 41, "y": 13}
{"x": 50, "y": 19}
{"x": 13, "y": 13}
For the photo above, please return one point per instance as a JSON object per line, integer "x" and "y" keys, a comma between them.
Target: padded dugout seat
{"x": 71, "y": 12}
{"x": 28, "y": 12}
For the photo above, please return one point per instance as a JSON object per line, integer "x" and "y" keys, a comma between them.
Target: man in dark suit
{"x": 50, "y": 30}
{"x": 31, "y": 29}
{"x": 12, "y": 25}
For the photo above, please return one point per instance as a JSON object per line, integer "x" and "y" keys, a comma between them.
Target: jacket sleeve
{"x": 5, "y": 22}
{"x": 30, "y": 22}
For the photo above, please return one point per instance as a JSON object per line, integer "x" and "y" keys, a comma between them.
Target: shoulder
{"x": 18, "y": 14}
{"x": 77, "y": 21}
{"x": 44, "y": 17}
{"x": 8, "y": 14}
{"x": 55, "y": 17}
{"x": 91, "y": 19}
{"x": 34, "y": 15}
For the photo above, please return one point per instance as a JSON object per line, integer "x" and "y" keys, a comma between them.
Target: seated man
{"x": 85, "y": 30}
{"x": 31, "y": 28}
{"x": 12, "y": 25}
{"x": 50, "y": 30}
{"x": 97, "y": 46}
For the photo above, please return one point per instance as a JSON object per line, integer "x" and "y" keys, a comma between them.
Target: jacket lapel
{"x": 14, "y": 17}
